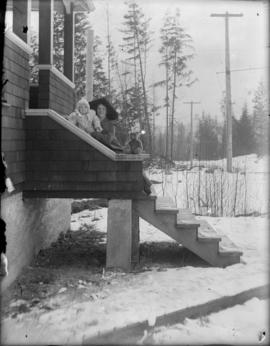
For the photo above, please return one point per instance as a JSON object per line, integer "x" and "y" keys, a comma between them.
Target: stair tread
{"x": 185, "y": 211}
{"x": 194, "y": 234}
{"x": 165, "y": 203}
{"x": 185, "y": 216}
{"x": 227, "y": 246}
{"x": 207, "y": 231}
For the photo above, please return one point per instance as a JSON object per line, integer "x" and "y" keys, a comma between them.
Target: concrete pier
{"x": 122, "y": 235}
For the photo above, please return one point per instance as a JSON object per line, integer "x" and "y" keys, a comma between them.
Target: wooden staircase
{"x": 62, "y": 161}
{"x": 196, "y": 235}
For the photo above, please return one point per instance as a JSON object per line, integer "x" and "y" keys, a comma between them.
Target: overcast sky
{"x": 249, "y": 47}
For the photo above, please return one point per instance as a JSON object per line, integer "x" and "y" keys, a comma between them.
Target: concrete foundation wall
{"x": 31, "y": 224}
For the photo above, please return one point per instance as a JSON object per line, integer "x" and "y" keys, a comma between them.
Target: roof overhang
{"x": 78, "y": 5}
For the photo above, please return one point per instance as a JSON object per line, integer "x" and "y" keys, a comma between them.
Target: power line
{"x": 246, "y": 69}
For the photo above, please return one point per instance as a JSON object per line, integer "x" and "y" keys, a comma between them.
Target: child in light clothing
{"x": 85, "y": 118}
{"x": 134, "y": 146}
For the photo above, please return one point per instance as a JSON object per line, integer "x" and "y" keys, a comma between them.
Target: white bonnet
{"x": 81, "y": 102}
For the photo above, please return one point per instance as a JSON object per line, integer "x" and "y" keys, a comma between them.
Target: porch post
{"x": 135, "y": 246}
{"x": 68, "y": 43}
{"x": 45, "y": 51}
{"x": 122, "y": 235}
{"x": 46, "y": 32}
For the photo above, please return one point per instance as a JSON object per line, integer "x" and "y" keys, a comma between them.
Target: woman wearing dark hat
{"x": 108, "y": 119}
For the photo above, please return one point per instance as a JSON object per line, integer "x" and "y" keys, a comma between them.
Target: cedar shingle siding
{"x": 44, "y": 158}
{"x": 54, "y": 93}
{"x": 16, "y": 93}
{"x": 61, "y": 164}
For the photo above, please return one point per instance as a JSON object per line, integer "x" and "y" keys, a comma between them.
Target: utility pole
{"x": 167, "y": 105}
{"x": 154, "y": 120}
{"x": 191, "y": 130}
{"x": 228, "y": 87}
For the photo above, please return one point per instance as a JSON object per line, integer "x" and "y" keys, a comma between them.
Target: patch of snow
{"x": 250, "y": 163}
{"x": 62, "y": 290}
{"x": 131, "y": 298}
{"x": 98, "y": 220}
{"x": 148, "y": 233}
{"x": 91, "y": 218}
{"x": 147, "y": 295}
{"x": 241, "y": 324}
{"x": 242, "y": 193}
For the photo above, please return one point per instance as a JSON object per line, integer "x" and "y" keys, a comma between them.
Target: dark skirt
{"x": 108, "y": 140}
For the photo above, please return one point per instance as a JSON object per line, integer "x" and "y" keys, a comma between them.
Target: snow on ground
{"x": 135, "y": 297}
{"x": 249, "y": 163}
{"x": 243, "y": 324}
{"x": 215, "y": 191}
{"x": 98, "y": 219}
{"x": 129, "y": 297}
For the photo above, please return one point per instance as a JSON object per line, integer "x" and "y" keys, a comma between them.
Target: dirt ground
{"x": 73, "y": 270}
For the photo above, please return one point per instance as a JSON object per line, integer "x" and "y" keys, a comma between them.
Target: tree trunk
{"x": 144, "y": 95}
{"x": 167, "y": 105}
{"x": 173, "y": 102}
{"x": 109, "y": 54}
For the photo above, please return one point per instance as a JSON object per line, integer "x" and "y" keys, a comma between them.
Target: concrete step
{"x": 196, "y": 235}
{"x": 208, "y": 240}
{"x": 228, "y": 248}
{"x": 187, "y": 225}
{"x": 185, "y": 219}
{"x": 165, "y": 205}
{"x": 206, "y": 233}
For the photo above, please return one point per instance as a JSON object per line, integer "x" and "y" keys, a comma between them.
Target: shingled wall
{"x": 60, "y": 164}
{"x": 30, "y": 224}
{"x": 16, "y": 94}
{"x": 54, "y": 93}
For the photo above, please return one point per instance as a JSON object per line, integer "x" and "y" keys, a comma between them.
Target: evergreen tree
{"x": 174, "y": 44}
{"x": 236, "y": 140}
{"x": 245, "y": 133}
{"x": 58, "y": 47}
{"x": 100, "y": 82}
{"x": 33, "y": 61}
{"x": 58, "y": 41}
{"x": 79, "y": 54}
{"x": 112, "y": 63}
{"x": 137, "y": 38}
{"x": 223, "y": 144}
{"x": 207, "y": 142}
{"x": 261, "y": 119}
{"x": 181, "y": 143}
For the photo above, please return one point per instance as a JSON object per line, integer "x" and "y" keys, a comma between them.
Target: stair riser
{"x": 166, "y": 211}
{"x": 187, "y": 226}
{"x": 224, "y": 261}
{"x": 165, "y": 223}
{"x": 230, "y": 253}
{"x": 207, "y": 249}
{"x": 208, "y": 240}
{"x": 186, "y": 237}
